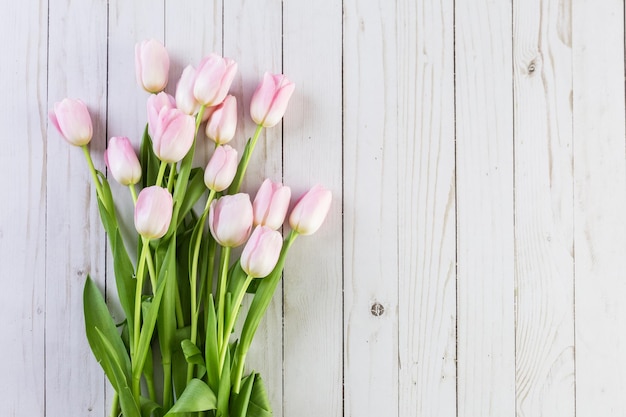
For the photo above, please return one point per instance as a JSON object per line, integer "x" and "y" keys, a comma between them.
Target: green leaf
{"x": 223, "y": 393}
{"x": 210, "y": 346}
{"x": 149, "y": 162}
{"x": 124, "y": 276}
{"x": 127, "y": 402}
{"x": 99, "y": 320}
{"x": 192, "y": 353}
{"x": 254, "y": 285}
{"x": 196, "y": 397}
{"x": 148, "y": 407}
{"x": 259, "y": 405}
{"x": 239, "y": 402}
{"x": 195, "y": 189}
{"x": 236, "y": 184}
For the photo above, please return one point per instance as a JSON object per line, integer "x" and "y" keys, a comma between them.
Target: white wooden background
{"x": 476, "y": 152}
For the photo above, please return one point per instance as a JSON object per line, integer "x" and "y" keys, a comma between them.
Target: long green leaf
{"x": 196, "y": 397}
{"x": 210, "y": 346}
{"x": 149, "y": 162}
{"x": 195, "y": 189}
{"x": 223, "y": 393}
{"x": 98, "y": 319}
{"x": 239, "y": 402}
{"x": 259, "y": 405}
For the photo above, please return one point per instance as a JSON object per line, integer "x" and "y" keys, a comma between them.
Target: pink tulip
{"x": 270, "y": 99}
{"x": 230, "y": 219}
{"x": 156, "y": 103}
{"x": 310, "y": 211}
{"x": 72, "y": 120}
{"x": 221, "y": 168}
{"x": 153, "y": 212}
{"x": 261, "y": 253}
{"x": 213, "y": 79}
{"x": 270, "y": 204}
{"x": 122, "y": 161}
{"x": 152, "y": 65}
{"x": 223, "y": 121}
{"x": 173, "y": 135}
{"x": 185, "y": 99}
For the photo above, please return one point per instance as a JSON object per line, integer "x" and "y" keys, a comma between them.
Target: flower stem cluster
{"x": 182, "y": 318}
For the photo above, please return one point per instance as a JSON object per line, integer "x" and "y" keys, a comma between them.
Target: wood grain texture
{"x": 253, "y": 38}
{"x": 543, "y": 209}
{"x": 484, "y": 157}
{"x": 599, "y": 207}
{"x": 75, "y": 239}
{"x": 312, "y": 150}
{"x": 23, "y": 115}
{"x": 370, "y": 206}
{"x": 426, "y": 209}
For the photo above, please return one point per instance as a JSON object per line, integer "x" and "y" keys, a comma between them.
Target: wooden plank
{"x": 370, "y": 209}
{"x": 75, "y": 239}
{"x": 599, "y": 207}
{"x": 543, "y": 209}
{"x": 23, "y": 114}
{"x": 485, "y": 274}
{"x": 313, "y": 328}
{"x": 427, "y": 209}
{"x": 253, "y": 38}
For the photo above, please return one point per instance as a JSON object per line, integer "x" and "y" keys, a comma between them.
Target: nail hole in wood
{"x": 377, "y": 309}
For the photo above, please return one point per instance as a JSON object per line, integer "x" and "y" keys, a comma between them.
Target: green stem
{"x": 243, "y": 164}
{"x": 115, "y": 405}
{"x": 231, "y": 321}
{"x": 151, "y": 388}
{"x": 180, "y": 318}
{"x": 161, "y": 173}
{"x": 94, "y": 174}
{"x": 151, "y": 271}
{"x": 167, "y": 385}
{"x": 194, "y": 279}
{"x": 138, "y": 291}
{"x": 133, "y": 193}
{"x": 208, "y": 281}
{"x": 221, "y": 294}
{"x": 170, "y": 180}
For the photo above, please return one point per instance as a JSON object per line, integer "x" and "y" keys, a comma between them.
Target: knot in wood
{"x": 377, "y": 309}
{"x": 532, "y": 67}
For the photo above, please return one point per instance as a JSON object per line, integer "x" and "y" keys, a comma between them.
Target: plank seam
{"x": 456, "y": 220}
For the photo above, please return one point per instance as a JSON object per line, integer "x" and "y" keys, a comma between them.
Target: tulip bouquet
{"x": 182, "y": 297}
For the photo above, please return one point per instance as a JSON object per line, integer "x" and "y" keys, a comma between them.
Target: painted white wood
{"x": 484, "y": 155}
{"x": 426, "y": 209}
{"x": 599, "y": 207}
{"x": 75, "y": 244}
{"x": 313, "y": 329}
{"x": 23, "y": 115}
{"x": 543, "y": 209}
{"x": 252, "y": 37}
{"x": 370, "y": 209}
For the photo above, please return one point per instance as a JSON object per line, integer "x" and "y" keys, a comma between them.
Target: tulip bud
{"x": 310, "y": 211}
{"x": 261, "y": 253}
{"x": 72, "y": 120}
{"x": 185, "y": 100}
{"x": 223, "y": 121}
{"x": 230, "y": 219}
{"x": 174, "y": 135}
{"x": 156, "y": 103}
{"x": 153, "y": 212}
{"x": 221, "y": 169}
{"x": 152, "y": 65}
{"x": 270, "y": 204}
{"x": 122, "y": 161}
{"x": 213, "y": 79}
{"x": 270, "y": 99}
